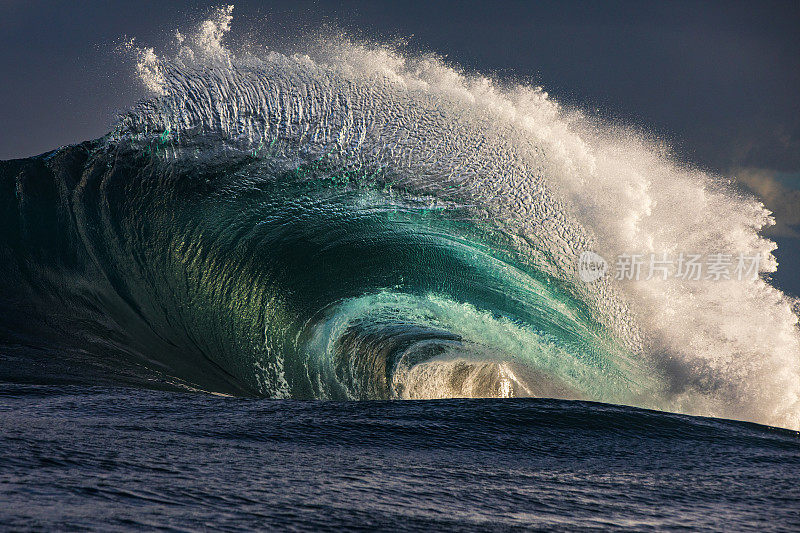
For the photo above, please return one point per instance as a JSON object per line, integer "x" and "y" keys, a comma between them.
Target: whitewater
{"x": 353, "y": 222}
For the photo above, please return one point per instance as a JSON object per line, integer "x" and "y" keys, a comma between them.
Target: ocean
{"x": 354, "y": 288}
{"x": 108, "y": 459}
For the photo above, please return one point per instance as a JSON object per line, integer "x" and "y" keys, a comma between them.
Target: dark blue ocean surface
{"x": 76, "y": 458}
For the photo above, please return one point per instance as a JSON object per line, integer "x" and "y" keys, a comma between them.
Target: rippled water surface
{"x": 100, "y": 459}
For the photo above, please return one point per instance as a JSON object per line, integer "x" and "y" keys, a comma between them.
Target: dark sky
{"x": 718, "y": 80}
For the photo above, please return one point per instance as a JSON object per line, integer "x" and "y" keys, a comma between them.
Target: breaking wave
{"x": 356, "y": 223}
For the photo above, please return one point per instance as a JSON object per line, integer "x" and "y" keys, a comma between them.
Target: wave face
{"x": 351, "y": 223}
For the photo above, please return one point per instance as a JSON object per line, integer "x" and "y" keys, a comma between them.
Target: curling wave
{"x": 352, "y": 223}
